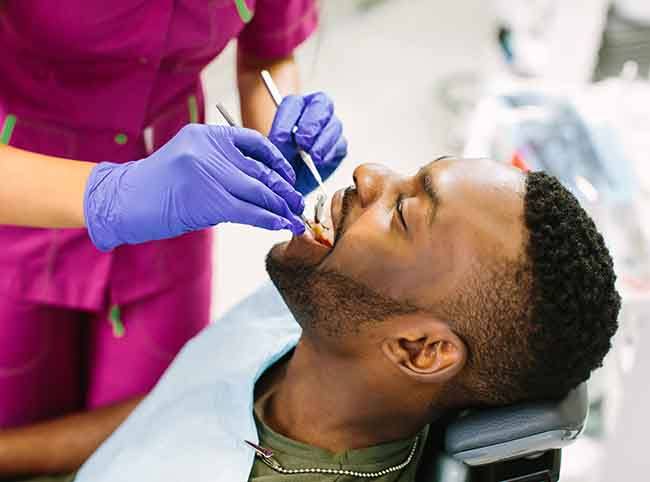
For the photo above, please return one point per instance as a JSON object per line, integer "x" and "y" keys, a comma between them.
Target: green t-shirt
{"x": 48, "y": 478}
{"x": 294, "y": 455}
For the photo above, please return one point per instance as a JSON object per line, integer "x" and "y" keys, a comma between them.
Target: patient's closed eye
{"x": 399, "y": 205}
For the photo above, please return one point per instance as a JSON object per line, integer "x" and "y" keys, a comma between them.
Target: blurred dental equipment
{"x": 533, "y": 36}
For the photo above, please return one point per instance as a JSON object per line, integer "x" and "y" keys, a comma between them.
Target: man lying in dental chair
{"x": 469, "y": 284}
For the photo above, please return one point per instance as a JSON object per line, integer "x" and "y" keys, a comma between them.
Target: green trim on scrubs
{"x": 7, "y": 129}
{"x": 115, "y": 317}
{"x": 245, "y": 13}
{"x": 193, "y": 108}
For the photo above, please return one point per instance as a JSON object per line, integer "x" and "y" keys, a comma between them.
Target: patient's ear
{"x": 427, "y": 350}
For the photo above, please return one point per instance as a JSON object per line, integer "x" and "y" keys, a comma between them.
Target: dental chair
{"x": 520, "y": 443}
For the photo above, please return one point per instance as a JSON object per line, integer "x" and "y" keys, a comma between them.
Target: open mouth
{"x": 322, "y": 234}
{"x": 312, "y": 247}
{"x": 329, "y": 229}
{"x": 306, "y": 249}
{"x": 323, "y": 230}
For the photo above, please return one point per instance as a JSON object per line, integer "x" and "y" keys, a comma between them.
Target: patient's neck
{"x": 325, "y": 402}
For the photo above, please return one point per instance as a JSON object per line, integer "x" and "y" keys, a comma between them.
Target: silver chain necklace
{"x": 266, "y": 456}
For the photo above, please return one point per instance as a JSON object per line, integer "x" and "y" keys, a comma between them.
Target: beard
{"x": 328, "y": 303}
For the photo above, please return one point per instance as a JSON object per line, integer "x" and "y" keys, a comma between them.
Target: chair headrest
{"x": 490, "y": 435}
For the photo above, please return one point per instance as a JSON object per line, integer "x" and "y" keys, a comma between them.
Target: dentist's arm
{"x": 60, "y": 445}
{"x": 257, "y": 107}
{"x": 41, "y": 191}
{"x": 204, "y": 176}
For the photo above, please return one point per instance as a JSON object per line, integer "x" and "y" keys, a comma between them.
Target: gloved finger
{"x": 255, "y": 192}
{"x": 326, "y": 140}
{"x": 252, "y": 215}
{"x": 273, "y": 181}
{"x": 337, "y": 153}
{"x": 253, "y": 144}
{"x": 318, "y": 110}
{"x": 286, "y": 118}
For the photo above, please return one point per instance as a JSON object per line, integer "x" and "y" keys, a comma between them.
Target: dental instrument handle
{"x": 306, "y": 158}
{"x": 226, "y": 115}
{"x": 274, "y": 92}
{"x": 271, "y": 87}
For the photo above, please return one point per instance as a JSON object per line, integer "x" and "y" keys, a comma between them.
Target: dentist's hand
{"x": 318, "y": 132}
{"x": 204, "y": 176}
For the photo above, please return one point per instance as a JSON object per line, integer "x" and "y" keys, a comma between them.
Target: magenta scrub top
{"x": 91, "y": 80}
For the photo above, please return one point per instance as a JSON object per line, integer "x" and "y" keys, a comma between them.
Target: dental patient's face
{"x": 413, "y": 239}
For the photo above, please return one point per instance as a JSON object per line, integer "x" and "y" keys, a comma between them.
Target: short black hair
{"x": 536, "y": 327}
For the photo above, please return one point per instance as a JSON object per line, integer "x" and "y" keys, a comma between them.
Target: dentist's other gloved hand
{"x": 204, "y": 176}
{"x": 318, "y": 132}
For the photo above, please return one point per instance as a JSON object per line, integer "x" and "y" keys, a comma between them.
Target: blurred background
{"x": 554, "y": 84}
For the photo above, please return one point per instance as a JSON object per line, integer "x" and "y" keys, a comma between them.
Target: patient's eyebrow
{"x": 428, "y": 186}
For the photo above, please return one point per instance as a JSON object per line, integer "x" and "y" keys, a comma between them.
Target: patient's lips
{"x": 321, "y": 234}
{"x": 336, "y": 213}
{"x": 314, "y": 245}
{"x": 309, "y": 248}
{"x": 323, "y": 230}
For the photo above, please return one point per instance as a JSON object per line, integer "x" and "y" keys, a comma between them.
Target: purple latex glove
{"x": 318, "y": 132}
{"x": 204, "y": 176}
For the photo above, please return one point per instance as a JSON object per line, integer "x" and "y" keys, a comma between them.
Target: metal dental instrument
{"x": 226, "y": 115}
{"x": 231, "y": 122}
{"x": 306, "y": 158}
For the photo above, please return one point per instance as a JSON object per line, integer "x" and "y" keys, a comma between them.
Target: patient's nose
{"x": 371, "y": 180}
